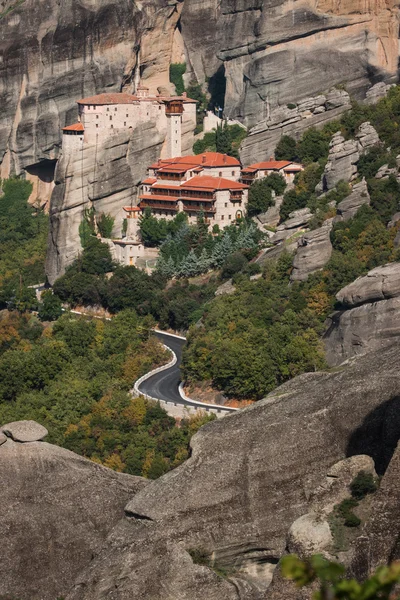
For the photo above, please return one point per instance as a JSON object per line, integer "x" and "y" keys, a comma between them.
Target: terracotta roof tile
{"x": 273, "y": 165}
{"x": 110, "y": 98}
{"x": 205, "y": 182}
{"x": 74, "y": 127}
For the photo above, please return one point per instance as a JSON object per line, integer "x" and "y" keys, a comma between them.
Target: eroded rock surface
{"x": 24, "y": 431}
{"x": 347, "y": 208}
{"x": 250, "y": 476}
{"x": 371, "y": 318}
{"x": 314, "y": 249}
{"x": 56, "y": 511}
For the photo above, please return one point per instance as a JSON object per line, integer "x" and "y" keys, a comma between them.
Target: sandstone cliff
{"x": 55, "y": 513}
{"x": 53, "y": 53}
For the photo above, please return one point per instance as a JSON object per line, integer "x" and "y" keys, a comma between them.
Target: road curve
{"x": 165, "y": 384}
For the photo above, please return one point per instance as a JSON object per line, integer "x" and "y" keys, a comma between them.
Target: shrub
{"x": 234, "y": 263}
{"x": 176, "y": 71}
{"x": 200, "y": 556}
{"x": 286, "y": 148}
{"x": 344, "y": 510}
{"x": 362, "y": 484}
{"x": 105, "y": 224}
{"x": 351, "y": 520}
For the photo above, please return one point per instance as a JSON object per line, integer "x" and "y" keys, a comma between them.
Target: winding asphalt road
{"x": 165, "y": 385}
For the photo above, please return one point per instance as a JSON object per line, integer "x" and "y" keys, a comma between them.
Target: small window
{"x": 124, "y": 123}
{"x": 230, "y": 217}
{"x": 127, "y": 115}
{"x": 112, "y": 126}
{"x": 220, "y": 174}
{"x": 115, "y": 109}
{"x": 265, "y": 172}
{"x": 222, "y": 217}
{"x": 233, "y": 173}
{"x": 159, "y": 108}
{"x": 108, "y": 109}
{"x": 97, "y": 116}
{"x": 110, "y": 117}
{"x": 226, "y": 205}
{"x": 97, "y": 124}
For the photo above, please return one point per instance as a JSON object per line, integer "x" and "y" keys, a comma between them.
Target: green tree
{"x": 105, "y": 224}
{"x": 286, "y": 149}
{"x": 223, "y": 139}
{"x": 50, "y": 308}
{"x": 176, "y": 72}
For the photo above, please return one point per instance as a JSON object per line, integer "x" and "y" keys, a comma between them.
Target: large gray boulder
{"x": 371, "y": 316}
{"x": 24, "y": 431}
{"x": 56, "y": 511}
{"x": 342, "y": 162}
{"x": 347, "y": 208}
{"x": 249, "y": 477}
{"x": 379, "y": 284}
{"x": 314, "y": 249}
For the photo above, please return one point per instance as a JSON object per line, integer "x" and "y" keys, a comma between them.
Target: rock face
{"x": 345, "y": 154}
{"x": 308, "y": 535}
{"x": 56, "y": 511}
{"x": 310, "y": 112}
{"x": 103, "y": 178}
{"x": 276, "y": 53}
{"x": 53, "y": 53}
{"x": 314, "y": 249}
{"x": 297, "y": 220}
{"x": 372, "y": 318}
{"x": 379, "y": 541}
{"x": 347, "y": 208}
{"x": 250, "y": 476}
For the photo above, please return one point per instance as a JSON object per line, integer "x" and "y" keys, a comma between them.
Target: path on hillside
{"x": 164, "y": 385}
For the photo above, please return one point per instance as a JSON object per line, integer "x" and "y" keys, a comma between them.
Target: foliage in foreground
{"x": 74, "y": 377}
{"x": 332, "y": 583}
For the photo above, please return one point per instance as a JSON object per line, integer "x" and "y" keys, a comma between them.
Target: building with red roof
{"x": 259, "y": 170}
{"x": 205, "y": 183}
{"x": 106, "y": 114}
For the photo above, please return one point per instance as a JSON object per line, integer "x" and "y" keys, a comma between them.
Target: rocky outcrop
{"x": 377, "y": 92}
{"x": 342, "y": 162}
{"x": 371, "y": 319}
{"x": 378, "y": 543}
{"x": 314, "y": 249}
{"x": 292, "y": 120}
{"x": 347, "y": 208}
{"x": 250, "y": 476}
{"x": 56, "y": 511}
{"x": 379, "y": 284}
{"x": 344, "y": 156}
{"x": 102, "y": 177}
{"x": 297, "y": 220}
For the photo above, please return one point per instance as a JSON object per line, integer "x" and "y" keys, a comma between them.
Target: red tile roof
{"x": 110, "y": 98}
{"x": 149, "y": 180}
{"x": 269, "y": 165}
{"x": 124, "y": 98}
{"x": 207, "y": 159}
{"x": 74, "y": 127}
{"x": 132, "y": 208}
{"x": 205, "y": 182}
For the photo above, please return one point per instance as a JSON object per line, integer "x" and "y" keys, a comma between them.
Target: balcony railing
{"x": 204, "y": 209}
{"x": 158, "y": 206}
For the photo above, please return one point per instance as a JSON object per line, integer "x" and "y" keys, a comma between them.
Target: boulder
{"x": 347, "y": 208}
{"x": 395, "y": 219}
{"x": 373, "y": 319}
{"x": 24, "y": 431}
{"x": 367, "y": 136}
{"x": 310, "y": 534}
{"x": 3, "y": 438}
{"x": 56, "y": 511}
{"x": 377, "y": 92}
{"x": 363, "y": 328}
{"x": 314, "y": 249}
{"x": 379, "y": 284}
{"x": 298, "y": 218}
{"x": 342, "y": 162}
{"x": 225, "y": 288}
{"x": 250, "y": 476}
{"x": 385, "y": 171}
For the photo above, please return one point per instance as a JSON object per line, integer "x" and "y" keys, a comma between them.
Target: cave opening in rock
{"x": 217, "y": 89}
{"x": 41, "y": 175}
{"x": 378, "y": 435}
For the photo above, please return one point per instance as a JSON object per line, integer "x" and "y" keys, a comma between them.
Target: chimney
{"x": 184, "y": 94}
{"x": 225, "y": 157}
{"x": 204, "y": 158}
{"x": 271, "y": 158}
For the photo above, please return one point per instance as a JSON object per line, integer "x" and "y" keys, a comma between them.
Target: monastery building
{"x": 102, "y": 115}
{"x": 262, "y": 169}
